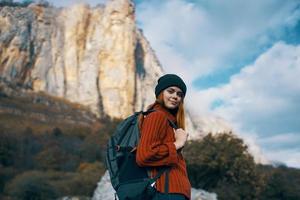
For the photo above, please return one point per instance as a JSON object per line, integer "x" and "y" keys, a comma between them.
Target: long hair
{"x": 180, "y": 114}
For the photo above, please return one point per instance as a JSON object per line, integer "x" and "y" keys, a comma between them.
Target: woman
{"x": 160, "y": 145}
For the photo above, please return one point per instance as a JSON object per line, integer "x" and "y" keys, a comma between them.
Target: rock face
{"x": 93, "y": 56}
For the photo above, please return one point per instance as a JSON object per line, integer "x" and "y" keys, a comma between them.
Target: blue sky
{"x": 240, "y": 59}
{"x": 241, "y": 64}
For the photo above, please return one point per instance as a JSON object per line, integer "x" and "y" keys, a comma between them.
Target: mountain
{"x": 93, "y": 56}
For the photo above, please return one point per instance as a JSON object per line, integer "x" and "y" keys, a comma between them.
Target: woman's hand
{"x": 180, "y": 138}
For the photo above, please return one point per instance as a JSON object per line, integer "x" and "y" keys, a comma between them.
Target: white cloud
{"x": 266, "y": 87}
{"x": 286, "y": 138}
{"x": 289, "y": 157}
{"x": 172, "y": 28}
{"x": 284, "y": 148}
{"x": 262, "y": 100}
{"x": 282, "y": 141}
{"x": 195, "y": 39}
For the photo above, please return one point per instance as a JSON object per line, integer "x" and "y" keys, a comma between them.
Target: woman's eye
{"x": 179, "y": 94}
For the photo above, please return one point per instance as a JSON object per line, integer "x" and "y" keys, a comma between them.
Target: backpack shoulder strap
{"x": 147, "y": 111}
{"x": 160, "y": 172}
{"x": 172, "y": 124}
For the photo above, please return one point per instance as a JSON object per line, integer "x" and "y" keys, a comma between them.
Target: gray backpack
{"x": 130, "y": 181}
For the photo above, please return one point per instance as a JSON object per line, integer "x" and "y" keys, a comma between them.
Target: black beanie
{"x": 169, "y": 80}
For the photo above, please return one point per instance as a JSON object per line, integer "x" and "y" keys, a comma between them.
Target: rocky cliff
{"x": 94, "y": 56}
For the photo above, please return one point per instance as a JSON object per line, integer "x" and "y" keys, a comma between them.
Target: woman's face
{"x": 172, "y": 97}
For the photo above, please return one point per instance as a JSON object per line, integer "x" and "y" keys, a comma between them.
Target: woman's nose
{"x": 175, "y": 96}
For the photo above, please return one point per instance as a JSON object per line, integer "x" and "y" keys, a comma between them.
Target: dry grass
{"x": 18, "y": 124}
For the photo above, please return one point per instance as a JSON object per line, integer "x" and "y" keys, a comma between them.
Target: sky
{"x": 240, "y": 60}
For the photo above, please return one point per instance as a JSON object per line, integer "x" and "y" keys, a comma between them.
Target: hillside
{"x": 15, "y": 102}
{"x": 53, "y": 144}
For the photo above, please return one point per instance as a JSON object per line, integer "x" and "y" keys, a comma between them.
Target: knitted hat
{"x": 169, "y": 80}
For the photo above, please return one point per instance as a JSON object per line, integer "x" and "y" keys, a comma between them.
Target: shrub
{"x": 6, "y": 173}
{"x": 222, "y": 164}
{"x": 283, "y": 184}
{"x": 31, "y": 185}
{"x": 8, "y": 149}
{"x": 81, "y": 183}
{"x": 56, "y": 158}
{"x": 91, "y": 148}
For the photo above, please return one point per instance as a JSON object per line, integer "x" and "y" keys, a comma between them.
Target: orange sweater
{"x": 156, "y": 148}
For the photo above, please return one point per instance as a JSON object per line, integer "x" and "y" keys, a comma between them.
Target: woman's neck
{"x": 172, "y": 111}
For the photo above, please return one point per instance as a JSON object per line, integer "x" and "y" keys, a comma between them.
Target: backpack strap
{"x": 172, "y": 124}
{"x": 147, "y": 111}
{"x": 160, "y": 172}
{"x": 167, "y": 181}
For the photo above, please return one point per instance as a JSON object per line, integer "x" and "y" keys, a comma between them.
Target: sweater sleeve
{"x": 151, "y": 150}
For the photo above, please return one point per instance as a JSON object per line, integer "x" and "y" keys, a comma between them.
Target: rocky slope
{"x": 17, "y": 103}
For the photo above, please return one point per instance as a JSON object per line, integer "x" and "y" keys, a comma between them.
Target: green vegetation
{"x": 31, "y": 185}
{"x": 222, "y": 164}
{"x": 49, "y": 147}
{"x": 52, "y": 164}
{"x": 282, "y": 183}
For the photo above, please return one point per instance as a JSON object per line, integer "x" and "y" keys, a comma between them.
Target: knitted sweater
{"x": 156, "y": 148}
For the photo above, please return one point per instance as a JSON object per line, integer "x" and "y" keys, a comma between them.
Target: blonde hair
{"x": 180, "y": 115}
